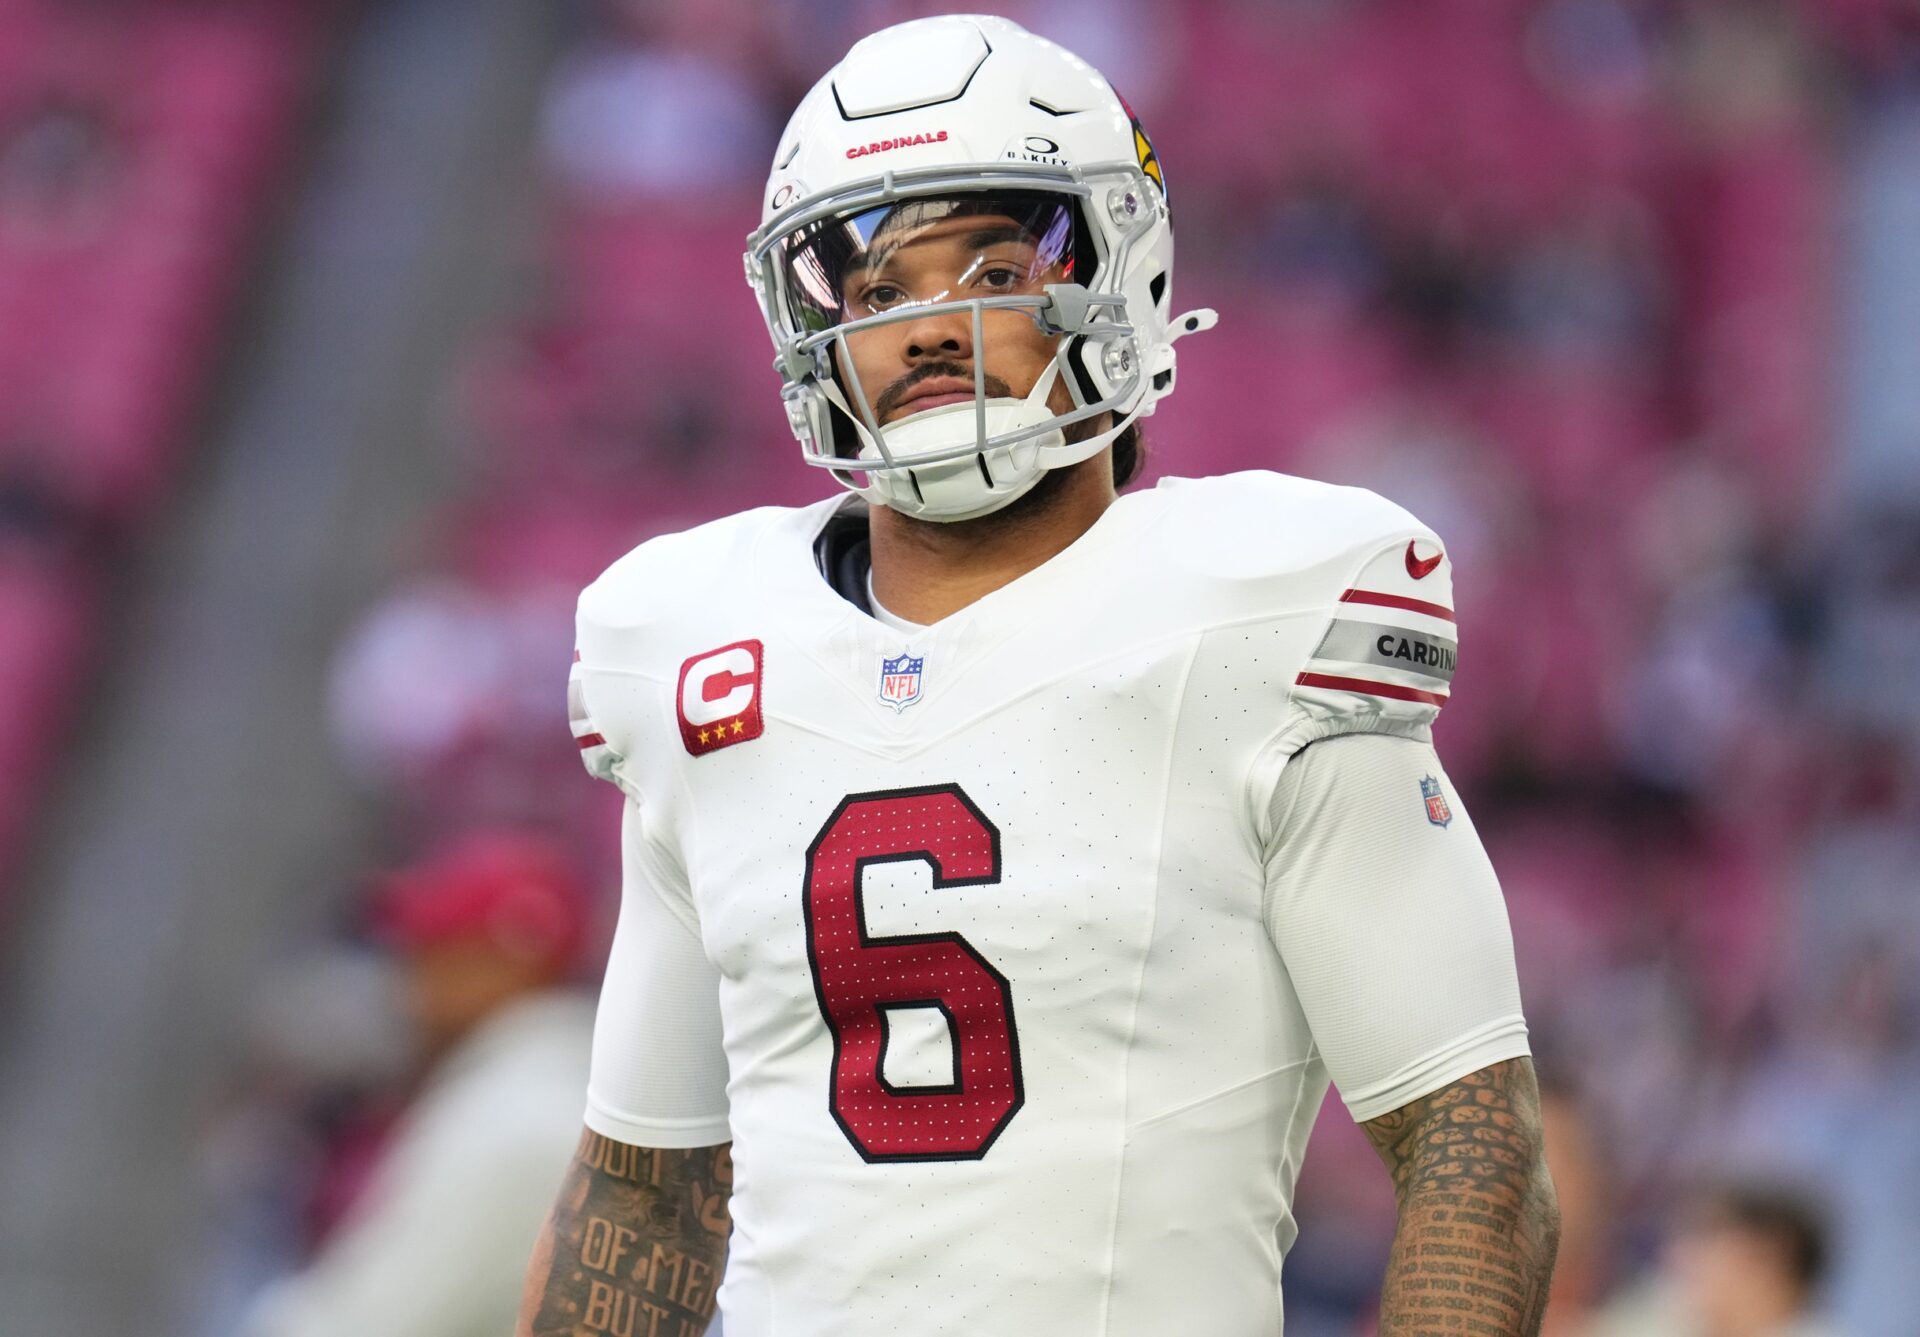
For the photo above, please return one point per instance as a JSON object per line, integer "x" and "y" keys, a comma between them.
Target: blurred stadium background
{"x": 341, "y": 343}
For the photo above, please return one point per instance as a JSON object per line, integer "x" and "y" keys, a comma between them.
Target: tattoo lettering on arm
{"x": 1479, "y": 1224}
{"x": 635, "y": 1246}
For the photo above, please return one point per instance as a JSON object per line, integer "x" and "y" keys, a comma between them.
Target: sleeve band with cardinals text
{"x": 1380, "y": 897}
{"x": 1385, "y": 662}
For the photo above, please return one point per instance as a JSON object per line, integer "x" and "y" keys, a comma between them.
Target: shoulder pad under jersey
{"x": 1376, "y": 581}
{"x": 634, "y": 621}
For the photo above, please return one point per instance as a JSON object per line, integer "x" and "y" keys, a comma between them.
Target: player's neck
{"x": 923, "y": 571}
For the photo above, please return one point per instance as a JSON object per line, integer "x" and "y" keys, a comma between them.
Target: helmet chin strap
{"x": 978, "y": 482}
{"x": 971, "y": 485}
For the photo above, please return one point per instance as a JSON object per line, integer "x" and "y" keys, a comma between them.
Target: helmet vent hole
{"x": 1157, "y": 287}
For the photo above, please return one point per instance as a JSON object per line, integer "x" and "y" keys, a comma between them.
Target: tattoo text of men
{"x": 1479, "y": 1225}
{"x": 636, "y": 1244}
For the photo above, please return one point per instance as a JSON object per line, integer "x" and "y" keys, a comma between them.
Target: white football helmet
{"x": 940, "y": 118}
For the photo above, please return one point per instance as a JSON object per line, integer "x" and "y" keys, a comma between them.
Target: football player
{"x": 1010, "y": 865}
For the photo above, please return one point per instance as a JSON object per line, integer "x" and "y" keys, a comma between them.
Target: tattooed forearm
{"x": 1478, "y": 1221}
{"x": 634, "y": 1247}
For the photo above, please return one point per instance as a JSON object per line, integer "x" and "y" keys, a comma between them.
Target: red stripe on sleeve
{"x": 587, "y": 740}
{"x": 1368, "y": 687}
{"x": 1397, "y": 601}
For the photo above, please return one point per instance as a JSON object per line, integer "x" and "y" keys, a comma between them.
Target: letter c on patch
{"x": 719, "y": 686}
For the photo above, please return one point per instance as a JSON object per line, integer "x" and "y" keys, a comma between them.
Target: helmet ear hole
{"x": 846, "y": 438}
{"x": 1157, "y": 289}
{"x": 1083, "y": 383}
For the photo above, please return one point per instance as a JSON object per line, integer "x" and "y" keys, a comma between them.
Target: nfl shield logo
{"x": 1437, "y": 810}
{"x": 900, "y": 680}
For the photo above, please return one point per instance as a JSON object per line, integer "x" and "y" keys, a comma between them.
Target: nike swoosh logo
{"x": 1421, "y": 567}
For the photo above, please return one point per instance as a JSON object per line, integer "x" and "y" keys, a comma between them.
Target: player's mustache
{"x": 895, "y": 395}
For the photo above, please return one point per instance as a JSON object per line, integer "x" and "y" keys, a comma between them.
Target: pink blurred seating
{"x": 112, "y": 295}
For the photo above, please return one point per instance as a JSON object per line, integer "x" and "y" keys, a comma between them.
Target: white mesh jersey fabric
{"x": 986, "y": 904}
{"x": 1360, "y": 869}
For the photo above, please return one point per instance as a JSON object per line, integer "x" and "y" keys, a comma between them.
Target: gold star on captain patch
{"x": 703, "y": 735}
{"x": 738, "y": 728}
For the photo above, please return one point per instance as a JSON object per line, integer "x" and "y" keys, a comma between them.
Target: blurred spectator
{"x": 37, "y": 523}
{"x": 328, "y": 1057}
{"x": 438, "y": 664}
{"x": 486, "y": 932}
{"x": 60, "y": 166}
{"x": 1581, "y": 1181}
{"x": 627, "y": 123}
{"x": 1747, "y": 1262}
{"x": 1874, "y": 621}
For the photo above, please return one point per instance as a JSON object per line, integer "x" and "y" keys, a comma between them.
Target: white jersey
{"x": 1030, "y": 952}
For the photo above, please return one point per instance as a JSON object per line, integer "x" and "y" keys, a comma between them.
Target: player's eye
{"x": 880, "y": 296}
{"x": 1001, "y": 278}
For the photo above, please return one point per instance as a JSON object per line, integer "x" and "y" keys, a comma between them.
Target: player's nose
{"x": 942, "y": 336}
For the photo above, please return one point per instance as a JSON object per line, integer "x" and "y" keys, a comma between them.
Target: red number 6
{"x": 858, "y": 978}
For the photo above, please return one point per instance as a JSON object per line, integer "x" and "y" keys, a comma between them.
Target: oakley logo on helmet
{"x": 1034, "y": 148}
{"x": 905, "y": 141}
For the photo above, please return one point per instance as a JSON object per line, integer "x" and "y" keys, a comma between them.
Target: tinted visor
{"x": 917, "y": 252}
